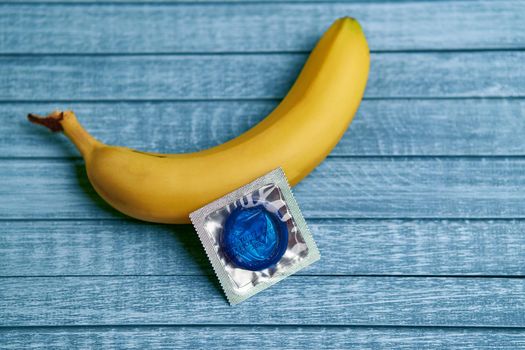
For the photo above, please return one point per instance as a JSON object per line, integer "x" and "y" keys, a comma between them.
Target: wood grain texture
{"x": 252, "y": 76}
{"x": 338, "y": 188}
{"x": 348, "y": 247}
{"x": 268, "y": 337}
{"x": 182, "y": 300}
{"x": 422, "y": 244}
{"x": 404, "y": 127}
{"x": 223, "y": 27}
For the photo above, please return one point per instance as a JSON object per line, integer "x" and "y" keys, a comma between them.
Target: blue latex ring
{"x": 254, "y": 238}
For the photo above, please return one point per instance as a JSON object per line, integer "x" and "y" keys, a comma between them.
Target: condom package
{"x": 255, "y": 236}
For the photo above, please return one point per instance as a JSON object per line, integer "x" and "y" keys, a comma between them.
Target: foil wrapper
{"x": 273, "y": 192}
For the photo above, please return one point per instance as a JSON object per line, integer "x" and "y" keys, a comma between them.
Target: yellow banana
{"x": 296, "y": 136}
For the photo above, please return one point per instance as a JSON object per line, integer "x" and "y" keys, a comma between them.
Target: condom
{"x": 255, "y": 236}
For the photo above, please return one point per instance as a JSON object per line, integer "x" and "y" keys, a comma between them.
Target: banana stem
{"x": 52, "y": 121}
{"x": 68, "y": 123}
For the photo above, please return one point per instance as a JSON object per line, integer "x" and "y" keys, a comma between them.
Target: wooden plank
{"x": 223, "y": 27}
{"x": 183, "y": 300}
{"x": 269, "y": 337}
{"x": 184, "y": 2}
{"x": 381, "y": 127}
{"x": 348, "y": 247}
{"x": 339, "y": 188}
{"x": 252, "y": 76}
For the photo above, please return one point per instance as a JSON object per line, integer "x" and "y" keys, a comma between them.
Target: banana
{"x": 296, "y": 136}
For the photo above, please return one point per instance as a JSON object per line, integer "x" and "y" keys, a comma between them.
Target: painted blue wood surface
{"x": 263, "y": 337}
{"x": 386, "y": 127}
{"x": 419, "y": 211}
{"x": 258, "y": 26}
{"x": 352, "y": 247}
{"x": 251, "y": 76}
{"x": 340, "y": 188}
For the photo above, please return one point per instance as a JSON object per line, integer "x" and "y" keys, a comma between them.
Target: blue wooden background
{"x": 419, "y": 211}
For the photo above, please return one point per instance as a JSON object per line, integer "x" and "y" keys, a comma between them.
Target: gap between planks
{"x": 244, "y": 53}
{"x": 88, "y": 327}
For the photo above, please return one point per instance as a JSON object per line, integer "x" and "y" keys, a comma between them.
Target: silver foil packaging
{"x": 255, "y": 236}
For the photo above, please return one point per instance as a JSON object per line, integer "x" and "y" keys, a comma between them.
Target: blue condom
{"x": 254, "y": 238}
